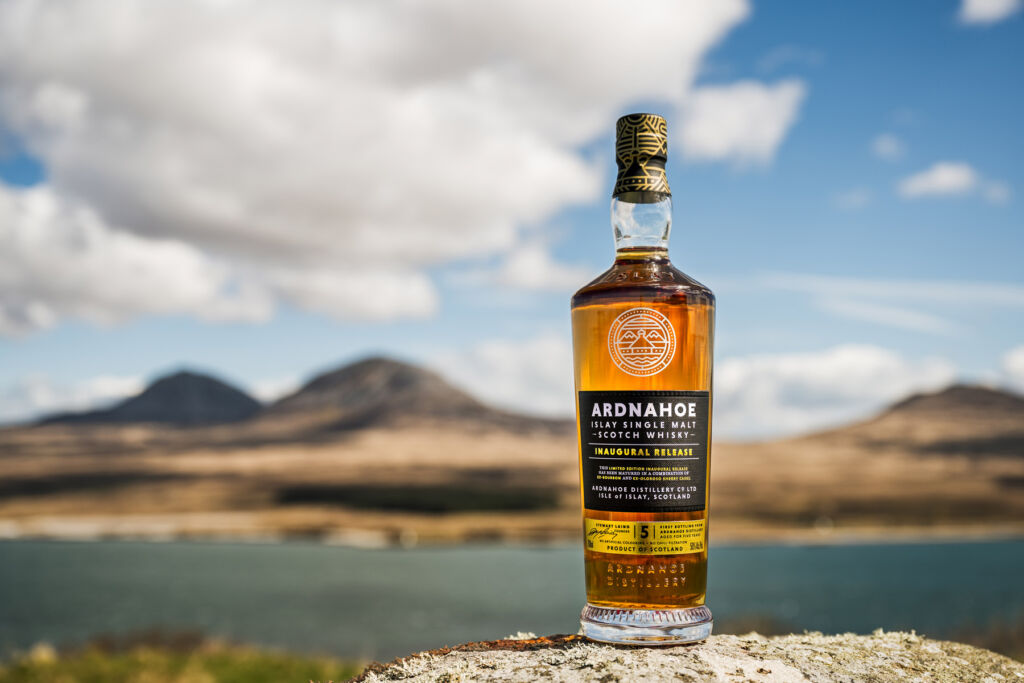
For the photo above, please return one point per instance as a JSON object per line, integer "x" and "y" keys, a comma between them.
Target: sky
{"x": 267, "y": 190}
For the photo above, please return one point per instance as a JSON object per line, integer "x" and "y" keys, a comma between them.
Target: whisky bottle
{"x": 643, "y": 334}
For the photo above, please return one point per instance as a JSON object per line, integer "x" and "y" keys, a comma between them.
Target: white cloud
{"x": 1013, "y": 368}
{"x": 890, "y": 316}
{"x": 988, "y": 11}
{"x": 364, "y": 292}
{"x": 952, "y": 178}
{"x": 293, "y": 140}
{"x": 997, "y": 192}
{"x": 36, "y": 395}
{"x": 532, "y": 376}
{"x": 916, "y": 305}
{"x": 531, "y": 266}
{"x": 528, "y": 266}
{"x": 937, "y": 292}
{"x": 888, "y": 147}
{"x": 755, "y": 396}
{"x": 941, "y": 292}
{"x": 60, "y": 259}
{"x": 941, "y": 178}
{"x": 854, "y": 198}
{"x": 744, "y": 122}
{"x": 776, "y": 394}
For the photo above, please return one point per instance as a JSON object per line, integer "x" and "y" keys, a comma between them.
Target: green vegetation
{"x": 147, "y": 664}
{"x": 188, "y": 658}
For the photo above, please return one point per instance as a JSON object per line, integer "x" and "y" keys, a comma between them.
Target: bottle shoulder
{"x": 653, "y": 282}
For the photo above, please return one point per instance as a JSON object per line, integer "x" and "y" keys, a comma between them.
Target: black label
{"x": 644, "y": 451}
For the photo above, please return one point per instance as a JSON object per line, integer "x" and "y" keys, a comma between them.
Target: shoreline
{"x": 370, "y": 539}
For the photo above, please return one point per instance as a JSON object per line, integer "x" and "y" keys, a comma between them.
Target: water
{"x": 384, "y": 603}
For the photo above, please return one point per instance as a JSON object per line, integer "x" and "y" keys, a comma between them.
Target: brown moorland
{"x": 382, "y": 452}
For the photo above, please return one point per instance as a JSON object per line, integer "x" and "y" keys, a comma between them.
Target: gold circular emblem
{"x": 642, "y": 342}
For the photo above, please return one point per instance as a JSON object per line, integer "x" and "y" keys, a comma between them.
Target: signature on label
{"x": 601, "y": 534}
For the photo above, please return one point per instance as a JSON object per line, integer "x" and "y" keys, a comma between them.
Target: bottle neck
{"x": 641, "y": 222}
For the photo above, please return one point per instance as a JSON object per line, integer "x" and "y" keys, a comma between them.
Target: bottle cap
{"x": 641, "y": 149}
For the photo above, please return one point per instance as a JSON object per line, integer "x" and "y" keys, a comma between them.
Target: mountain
{"x": 381, "y": 391}
{"x": 963, "y": 397}
{"x": 951, "y": 458}
{"x": 948, "y": 462}
{"x": 182, "y": 399}
{"x": 960, "y": 420}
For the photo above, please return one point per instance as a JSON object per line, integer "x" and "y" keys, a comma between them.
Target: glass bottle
{"x": 643, "y": 336}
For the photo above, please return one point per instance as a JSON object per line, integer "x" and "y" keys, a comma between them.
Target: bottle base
{"x": 646, "y": 626}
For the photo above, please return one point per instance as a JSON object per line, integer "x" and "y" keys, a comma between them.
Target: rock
{"x": 808, "y": 657}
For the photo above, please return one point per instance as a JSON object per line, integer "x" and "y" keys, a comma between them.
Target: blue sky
{"x": 861, "y": 220}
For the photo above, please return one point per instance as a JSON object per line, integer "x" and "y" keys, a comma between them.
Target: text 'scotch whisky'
{"x": 643, "y": 334}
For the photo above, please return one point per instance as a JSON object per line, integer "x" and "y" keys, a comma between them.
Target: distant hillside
{"x": 381, "y": 391}
{"x": 950, "y": 458}
{"x": 960, "y": 419}
{"x": 960, "y": 398}
{"x": 381, "y": 449}
{"x": 183, "y": 399}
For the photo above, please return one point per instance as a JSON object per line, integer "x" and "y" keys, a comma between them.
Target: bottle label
{"x": 644, "y": 451}
{"x": 645, "y": 538}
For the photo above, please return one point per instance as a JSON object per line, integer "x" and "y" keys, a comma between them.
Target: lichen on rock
{"x": 813, "y": 657}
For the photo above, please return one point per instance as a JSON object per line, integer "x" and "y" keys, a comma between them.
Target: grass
{"x": 154, "y": 657}
{"x": 148, "y": 664}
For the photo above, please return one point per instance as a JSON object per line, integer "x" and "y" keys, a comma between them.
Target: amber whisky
{"x": 643, "y": 335}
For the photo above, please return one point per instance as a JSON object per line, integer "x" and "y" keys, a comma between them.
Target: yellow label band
{"x": 644, "y": 538}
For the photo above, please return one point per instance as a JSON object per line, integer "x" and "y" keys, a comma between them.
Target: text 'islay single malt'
{"x": 643, "y": 334}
